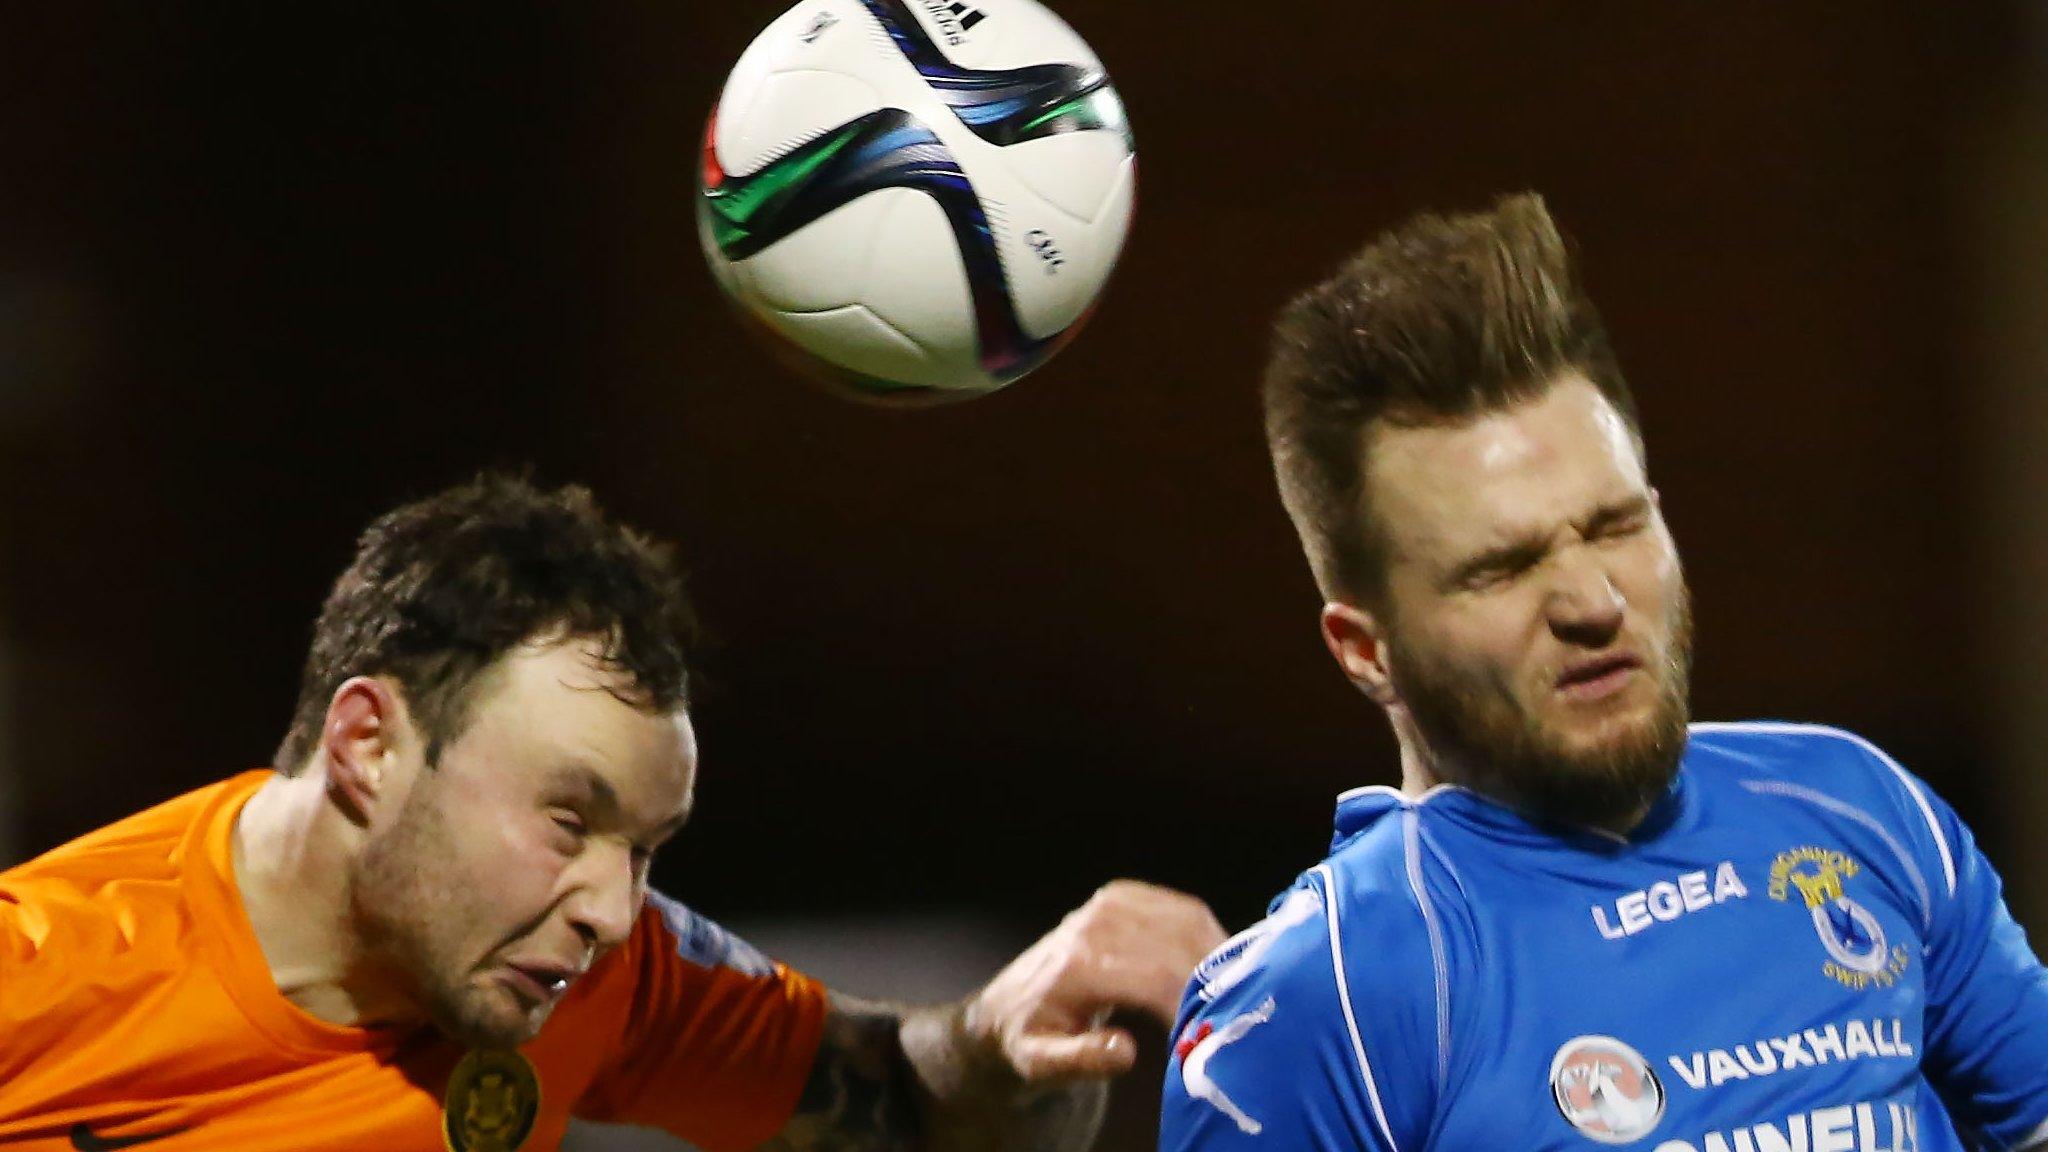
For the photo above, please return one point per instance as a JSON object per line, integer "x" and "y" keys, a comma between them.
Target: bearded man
{"x": 1579, "y": 918}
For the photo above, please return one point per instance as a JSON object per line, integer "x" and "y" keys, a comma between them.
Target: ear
{"x": 363, "y": 739}
{"x": 1355, "y": 638}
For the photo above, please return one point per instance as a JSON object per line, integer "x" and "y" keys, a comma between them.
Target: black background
{"x": 266, "y": 270}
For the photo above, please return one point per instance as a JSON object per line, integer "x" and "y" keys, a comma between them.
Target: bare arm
{"x": 1023, "y": 1064}
{"x": 867, "y": 1093}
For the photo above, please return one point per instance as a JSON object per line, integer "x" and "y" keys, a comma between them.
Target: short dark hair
{"x": 441, "y": 589}
{"x": 1439, "y": 320}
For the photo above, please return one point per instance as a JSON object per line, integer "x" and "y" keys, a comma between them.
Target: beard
{"x": 407, "y": 909}
{"x": 1475, "y": 723}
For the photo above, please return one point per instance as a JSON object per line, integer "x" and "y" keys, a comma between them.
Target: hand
{"x": 1133, "y": 945}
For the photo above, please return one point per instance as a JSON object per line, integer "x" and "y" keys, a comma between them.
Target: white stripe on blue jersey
{"x": 1800, "y": 948}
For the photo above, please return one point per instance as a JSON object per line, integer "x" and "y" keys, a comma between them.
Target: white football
{"x": 926, "y": 196}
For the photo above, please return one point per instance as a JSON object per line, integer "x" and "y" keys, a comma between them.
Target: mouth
{"x": 1599, "y": 677}
{"x": 539, "y": 981}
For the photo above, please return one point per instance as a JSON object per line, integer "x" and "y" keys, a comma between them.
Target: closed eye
{"x": 643, "y": 853}
{"x": 1621, "y": 528}
{"x": 570, "y": 829}
{"x": 1619, "y": 521}
{"x": 1497, "y": 568}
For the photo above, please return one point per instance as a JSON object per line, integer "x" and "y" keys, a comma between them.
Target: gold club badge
{"x": 493, "y": 1096}
{"x": 1859, "y": 957}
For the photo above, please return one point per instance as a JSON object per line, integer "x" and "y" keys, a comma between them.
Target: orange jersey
{"x": 136, "y": 1009}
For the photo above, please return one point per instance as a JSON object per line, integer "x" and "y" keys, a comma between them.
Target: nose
{"x": 1585, "y": 606}
{"x": 605, "y": 899}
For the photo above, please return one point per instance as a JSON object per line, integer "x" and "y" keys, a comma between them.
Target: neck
{"x": 292, "y": 854}
{"x": 1419, "y": 771}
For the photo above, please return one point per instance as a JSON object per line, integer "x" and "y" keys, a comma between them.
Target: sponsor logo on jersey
{"x": 1667, "y": 900}
{"x": 1245, "y": 953}
{"x": 1809, "y": 1049}
{"x": 1871, "y": 1126}
{"x": 1606, "y": 1090}
{"x": 703, "y": 942}
{"x": 492, "y": 1098}
{"x": 1199, "y": 1043}
{"x": 1858, "y": 954}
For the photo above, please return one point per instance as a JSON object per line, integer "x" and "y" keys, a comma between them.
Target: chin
{"x": 488, "y": 1017}
{"x": 1617, "y": 728}
{"x": 1603, "y": 768}
{"x": 1611, "y": 739}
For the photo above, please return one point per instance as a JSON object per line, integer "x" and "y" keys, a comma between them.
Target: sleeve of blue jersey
{"x": 1285, "y": 1041}
{"x": 1986, "y": 1047}
{"x": 1987, "y": 1003}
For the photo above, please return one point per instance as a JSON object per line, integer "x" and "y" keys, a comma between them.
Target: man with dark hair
{"x": 1580, "y": 917}
{"x": 430, "y": 925}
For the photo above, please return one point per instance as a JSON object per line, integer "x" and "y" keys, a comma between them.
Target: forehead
{"x": 551, "y": 706}
{"x": 1442, "y": 490}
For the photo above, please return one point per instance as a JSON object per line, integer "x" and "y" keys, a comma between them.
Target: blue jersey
{"x": 1800, "y": 949}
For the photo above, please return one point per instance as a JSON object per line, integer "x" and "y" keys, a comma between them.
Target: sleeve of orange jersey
{"x": 19, "y": 942}
{"x": 49, "y": 941}
{"x": 17, "y": 948}
{"x": 718, "y": 1042}
{"x": 49, "y": 936}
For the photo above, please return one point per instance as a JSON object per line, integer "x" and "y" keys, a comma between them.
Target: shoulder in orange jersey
{"x": 136, "y": 1005}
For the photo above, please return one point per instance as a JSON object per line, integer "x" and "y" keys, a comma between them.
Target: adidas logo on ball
{"x": 956, "y": 20}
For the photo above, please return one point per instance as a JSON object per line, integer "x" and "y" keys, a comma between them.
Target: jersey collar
{"x": 1361, "y": 807}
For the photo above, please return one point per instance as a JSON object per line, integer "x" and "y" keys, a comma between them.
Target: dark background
{"x": 266, "y": 270}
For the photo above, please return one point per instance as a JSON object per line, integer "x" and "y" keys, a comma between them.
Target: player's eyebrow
{"x": 586, "y": 785}
{"x": 1507, "y": 557}
{"x": 1614, "y": 510}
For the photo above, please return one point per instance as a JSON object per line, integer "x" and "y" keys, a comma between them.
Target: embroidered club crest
{"x": 493, "y": 1096}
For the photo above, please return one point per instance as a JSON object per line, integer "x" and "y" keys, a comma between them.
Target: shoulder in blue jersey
{"x": 1800, "y": 948}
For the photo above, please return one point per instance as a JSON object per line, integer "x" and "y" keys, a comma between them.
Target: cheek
{"x": 1652, "y": 580}
{"x": 507, "y": 863}
{"x": 528, "y": 863}
{"x": 1502, "y": 631}
{"x": 1485, "y": 640}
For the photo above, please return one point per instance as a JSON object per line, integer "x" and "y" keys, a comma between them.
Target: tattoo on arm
{"x": 861, "y": 1096}
{"x": 865, "y": 1095}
